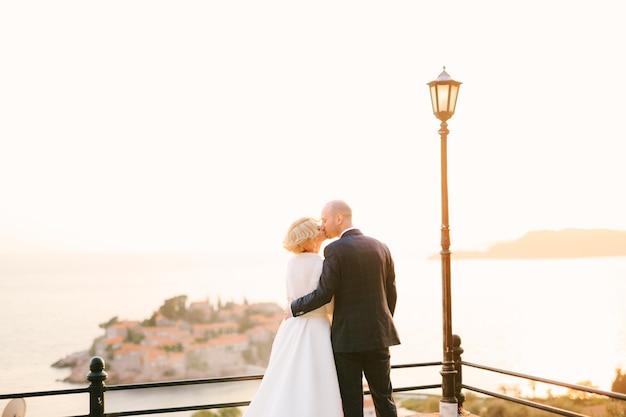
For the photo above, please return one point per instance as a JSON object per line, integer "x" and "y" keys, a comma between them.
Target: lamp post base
{"x": 447, "y": 409}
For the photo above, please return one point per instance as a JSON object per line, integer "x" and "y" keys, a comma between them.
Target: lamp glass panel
{"x": 443, "y": 92}
{"x": 454, "y": 92}
{"x": 433, "y": 98}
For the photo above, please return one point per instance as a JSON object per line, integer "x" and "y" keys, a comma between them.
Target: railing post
{"x": 96, "y": 376}
{"x": 457, "y": 351}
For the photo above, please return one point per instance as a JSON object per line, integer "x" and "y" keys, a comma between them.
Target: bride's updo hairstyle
{"x": 300, "y": 234}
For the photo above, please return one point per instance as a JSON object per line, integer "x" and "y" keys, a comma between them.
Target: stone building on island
{"x": 200, "y": 341}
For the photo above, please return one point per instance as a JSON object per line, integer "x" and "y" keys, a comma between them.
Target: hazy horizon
{"x": 7, "y": 249}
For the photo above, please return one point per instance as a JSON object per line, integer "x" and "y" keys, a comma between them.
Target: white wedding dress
{"x": 300, "y": 379}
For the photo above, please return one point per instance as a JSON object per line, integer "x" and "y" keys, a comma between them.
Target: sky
{"x": 211, "y": 126}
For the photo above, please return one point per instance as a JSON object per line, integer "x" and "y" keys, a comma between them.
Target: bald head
{"x": 339, "y": 207}
{"x": 336, "y": 217}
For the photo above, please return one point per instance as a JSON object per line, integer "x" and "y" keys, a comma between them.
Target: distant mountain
{"x": 543, "y": 244}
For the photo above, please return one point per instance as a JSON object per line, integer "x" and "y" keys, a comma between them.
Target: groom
{"x": 359, "y": 272}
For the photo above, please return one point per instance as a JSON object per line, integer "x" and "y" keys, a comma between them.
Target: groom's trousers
{"x": 375, "y": 365}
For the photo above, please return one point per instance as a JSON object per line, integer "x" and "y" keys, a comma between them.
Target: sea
{"x": 561, "y": 319}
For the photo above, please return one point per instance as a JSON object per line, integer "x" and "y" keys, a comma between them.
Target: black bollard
{"x": 96, "y": 390}
{"x": 457, "y": 351}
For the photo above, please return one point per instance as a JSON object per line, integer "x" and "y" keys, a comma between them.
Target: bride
{"x": 300, "y": 379}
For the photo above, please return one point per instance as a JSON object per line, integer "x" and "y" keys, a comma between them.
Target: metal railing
{"x": 97, "y": 389}
{"x": 533, "y": 404}
{"x": 459, "y": 385}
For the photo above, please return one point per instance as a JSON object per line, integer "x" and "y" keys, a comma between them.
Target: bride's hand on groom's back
{"x": 288, "y": 313}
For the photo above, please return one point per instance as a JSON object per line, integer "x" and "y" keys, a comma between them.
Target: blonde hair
{"x": 300, "y": 234}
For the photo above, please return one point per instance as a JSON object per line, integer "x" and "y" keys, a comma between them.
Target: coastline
{"x": 551, "y": 244}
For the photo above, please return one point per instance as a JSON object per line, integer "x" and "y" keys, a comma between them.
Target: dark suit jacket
{"x": 358, "y": 270}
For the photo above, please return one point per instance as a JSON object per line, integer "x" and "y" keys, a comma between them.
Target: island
{"x": 181, "y": 341}
{"x": 544, "y": 244}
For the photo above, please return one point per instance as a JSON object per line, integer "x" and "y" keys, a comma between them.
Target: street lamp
{"x": 443, "y": 94}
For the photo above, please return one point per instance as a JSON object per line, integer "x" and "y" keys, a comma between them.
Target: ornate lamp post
{"x": 443, "y": 94}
